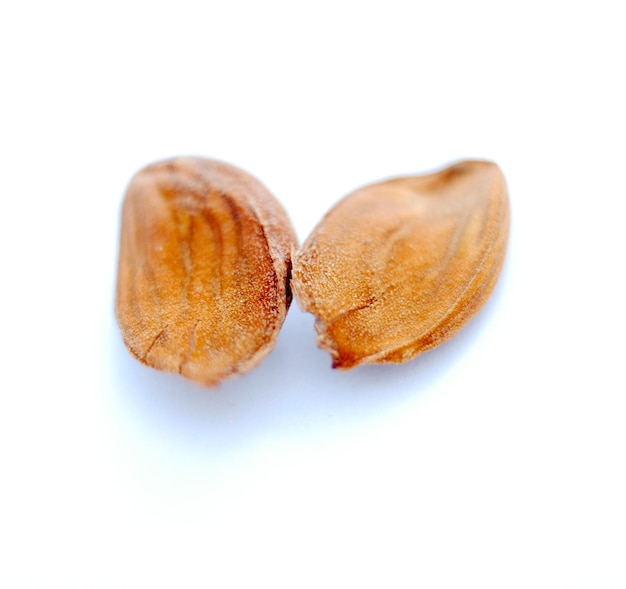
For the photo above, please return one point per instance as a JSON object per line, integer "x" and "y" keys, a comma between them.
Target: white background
{"x": 497, "y": 460}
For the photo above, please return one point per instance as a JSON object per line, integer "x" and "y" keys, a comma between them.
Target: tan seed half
{"x": 398, "y": 267}
{"x": 204, "y": 265}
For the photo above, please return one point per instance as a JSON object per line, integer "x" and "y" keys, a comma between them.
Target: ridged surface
{"x": 398, "y": 267}
{"x": 204, "y": 264}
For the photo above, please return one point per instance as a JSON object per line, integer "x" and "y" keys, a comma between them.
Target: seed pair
{"x": 208, "y": 260}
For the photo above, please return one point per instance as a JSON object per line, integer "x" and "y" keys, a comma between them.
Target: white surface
{"x": 497, "y": 460}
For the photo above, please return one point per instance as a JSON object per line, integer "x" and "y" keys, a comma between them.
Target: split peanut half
{"x": 398, "y": 267}
{"x": 204, "y": 267}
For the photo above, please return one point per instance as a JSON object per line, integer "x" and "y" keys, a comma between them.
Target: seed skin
{"x": 204, "y": 269}
{"x": 398, "y": 267}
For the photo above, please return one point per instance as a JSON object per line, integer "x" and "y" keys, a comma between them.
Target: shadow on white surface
{"x": 292, "y": 395}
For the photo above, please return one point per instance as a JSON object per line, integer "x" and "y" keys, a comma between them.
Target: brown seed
{"x": 204, "y": 265}
{"x": 398, "y": 267}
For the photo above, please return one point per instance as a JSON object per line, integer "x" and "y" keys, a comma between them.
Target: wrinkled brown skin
{"x": 398, "y": 267}
{"x": 204, "y": 268}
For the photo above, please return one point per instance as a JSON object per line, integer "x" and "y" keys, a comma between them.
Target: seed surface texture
{"x": 204, "y": 268}
{"x": 398, "y": 267}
